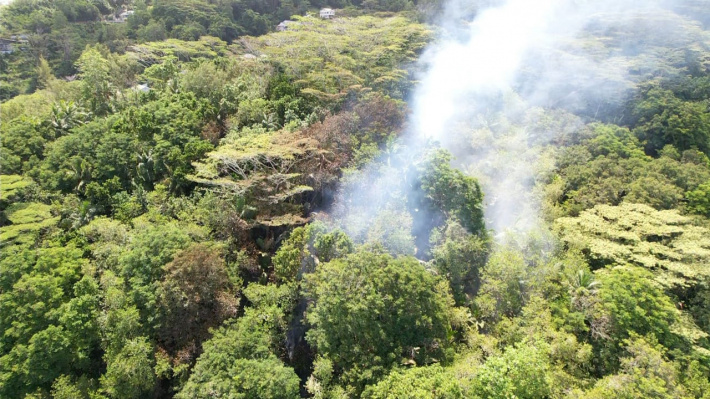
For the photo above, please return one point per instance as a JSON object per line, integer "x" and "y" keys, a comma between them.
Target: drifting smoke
{"x": 464, "y": 79}
{"x": 499, "y": 89}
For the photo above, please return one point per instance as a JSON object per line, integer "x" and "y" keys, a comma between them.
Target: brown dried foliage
{"x": 194, "y": 296}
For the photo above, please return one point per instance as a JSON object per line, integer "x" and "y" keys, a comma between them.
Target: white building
{"x": 327, "y": 13}
{"x": 124, "y": 15}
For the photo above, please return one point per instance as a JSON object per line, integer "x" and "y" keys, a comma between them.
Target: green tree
{"x": 49, "y": 320}
{"x": 636, "y": 306}
{"x": 64, "y": 387}
{"x": 24, "y": 222}
{"x": 699, "y": 200}
{"x": 141, "y": 265}
{"x": 609, "y": 167}
{"x": 154, "y": 31}
{"x": 306, "y": 247}
{"x": 370, "y": 311}
{"x": 265, "y": 378}
{"x": 227, "y": 365}
{"x": 459, "y": 256}
{"x": 645, "y": 373}
{"x": 420, "y": 382}
{"x": 520, "y": 372}
{"x": 24, "y": 140}
{"x": 452, "y": 192}
{"x": 664, "y": 119}
{"x": 95, "y": 80}
{"x": 666, "y": 242}
{"x": 505, "y": 286}
{"x": 129, "y": 373}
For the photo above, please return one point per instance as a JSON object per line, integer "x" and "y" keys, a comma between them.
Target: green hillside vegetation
{"x": 169, "y": 221}
{"x": 59, "y": 31}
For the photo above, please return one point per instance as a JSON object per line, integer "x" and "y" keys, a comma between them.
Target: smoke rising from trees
{"x": 501, "y": 82}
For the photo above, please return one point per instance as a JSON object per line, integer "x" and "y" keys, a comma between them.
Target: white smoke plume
{"x": 464, "y": 75}
{"x": 488, "y": 91}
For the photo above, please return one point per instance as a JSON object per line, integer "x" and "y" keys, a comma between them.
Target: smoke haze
{"x": 499, "y": 88}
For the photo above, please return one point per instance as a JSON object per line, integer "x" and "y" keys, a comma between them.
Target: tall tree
{"x": 369, "y": 312}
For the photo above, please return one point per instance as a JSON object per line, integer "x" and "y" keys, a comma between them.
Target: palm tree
{"x": 584, "y": 279}
{"x": 270, "y": 121}
{"x": 67, "y": 115}
{"x": 81, "y": 171}
{"x": 145, "y": 168}
{"x": 582, "y": 285}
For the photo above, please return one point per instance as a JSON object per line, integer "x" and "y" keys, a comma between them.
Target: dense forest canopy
{"x": 196, "y": 204}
